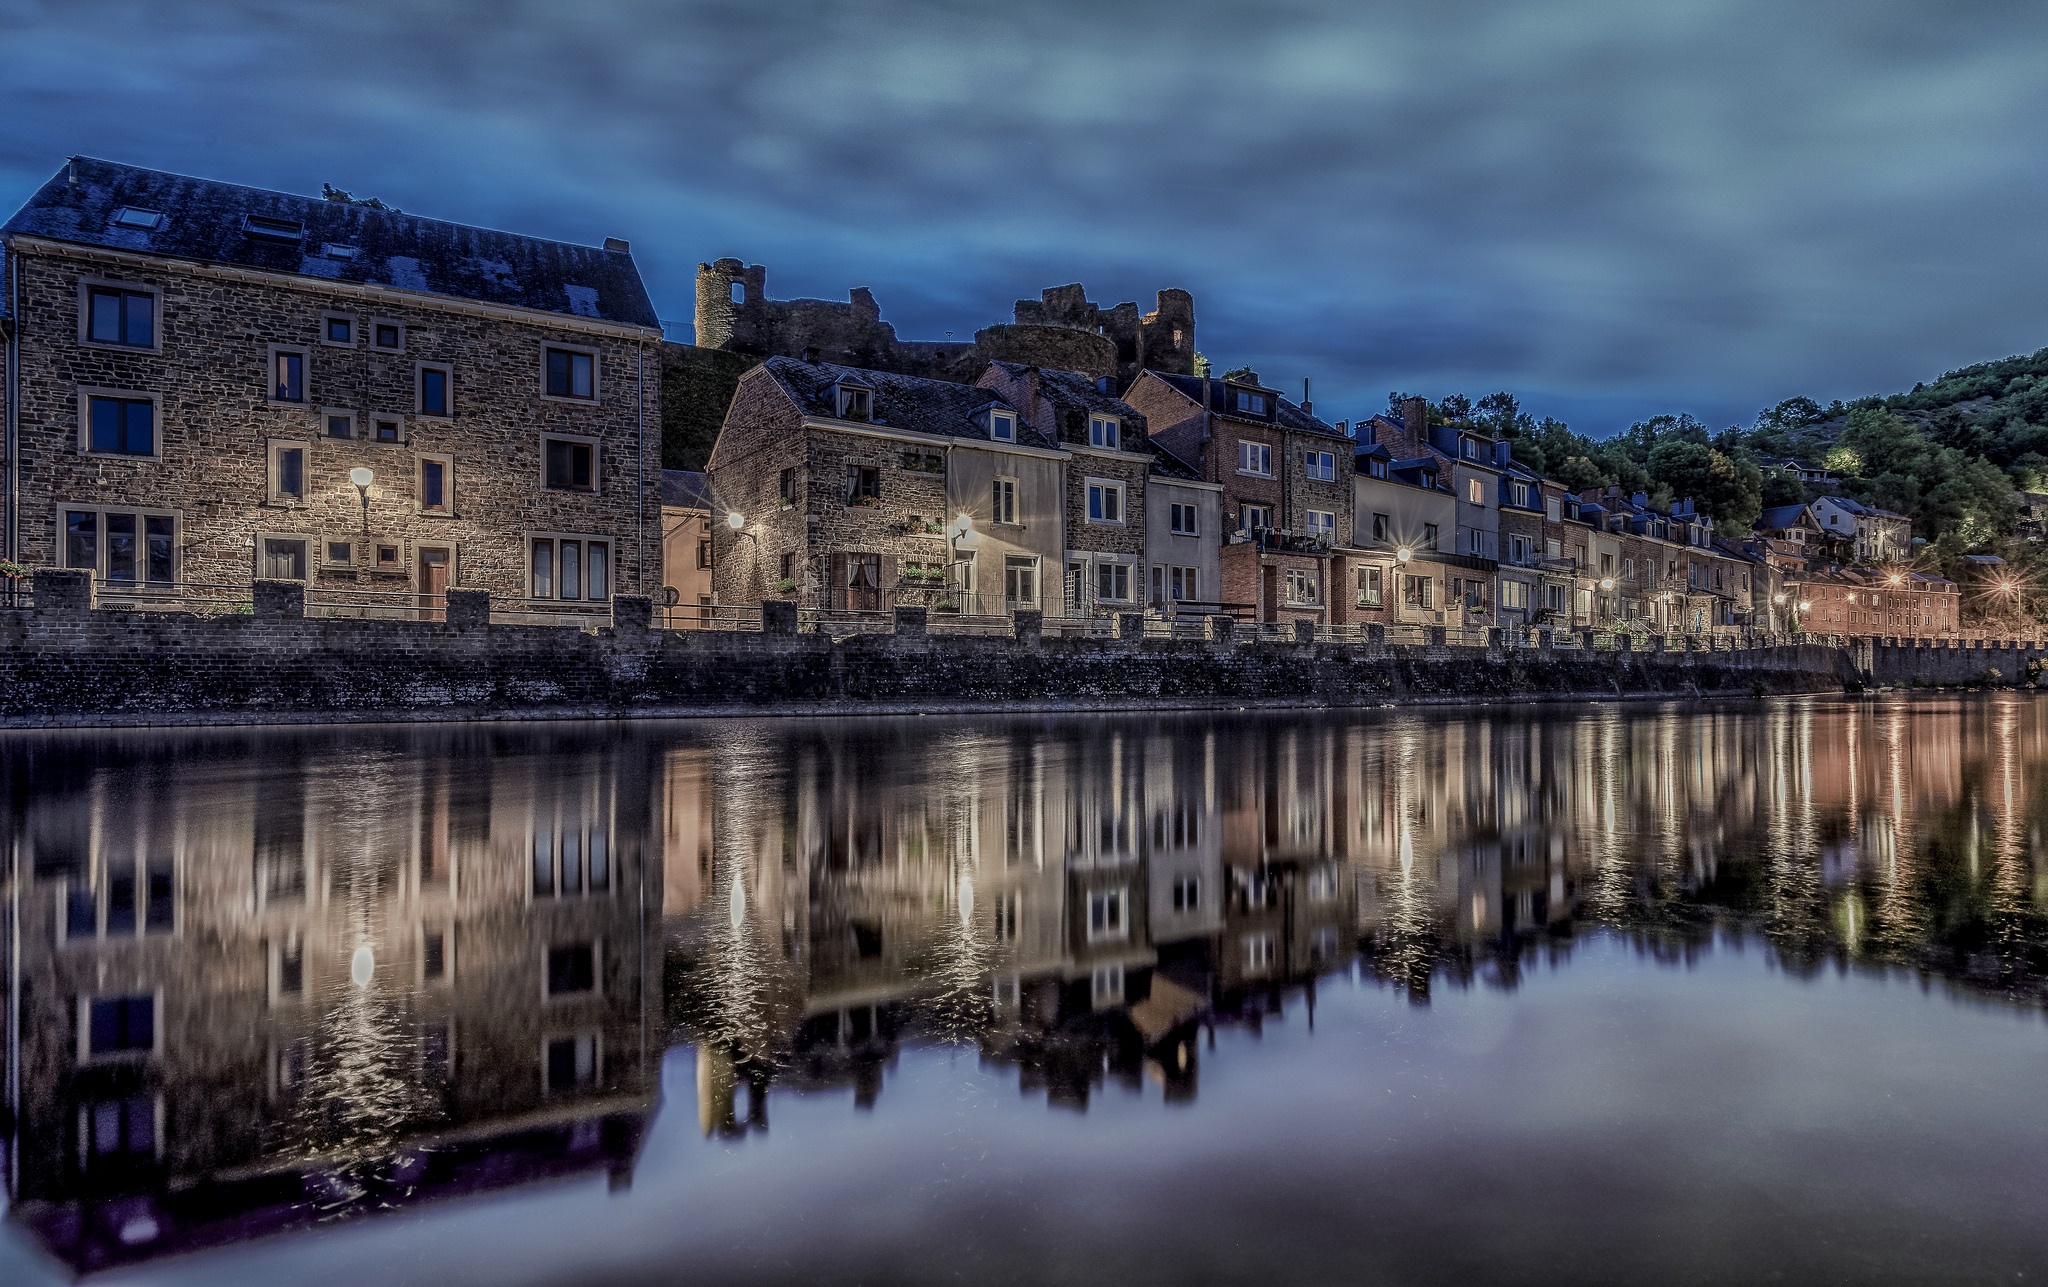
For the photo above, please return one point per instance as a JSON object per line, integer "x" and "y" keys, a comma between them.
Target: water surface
{"x": 1600, "y": 994}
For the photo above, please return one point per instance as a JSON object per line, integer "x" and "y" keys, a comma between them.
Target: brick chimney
{"x": 1415, "y": 420}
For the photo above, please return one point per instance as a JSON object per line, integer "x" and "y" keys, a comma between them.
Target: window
{"x": 1106, "y": 914}
{"x": 1113, "y": 581}
{"x": 569, "y": 568}
{"x": 1553, "y": 549}
{"x": 1185, "y": 584}
{"x": 1020, "y": 581}
{"x": 1418, "y": 592}
{"x": 1521, "y": 494}
{"x": 1301, "y": 586}
{"x": 1003, "y": 501}
{"x": 1322, "y": 525}
{"x": 704, "y": 555}
{"x": 863, "y": 485}
{"x": 571, "y": 859}
{"x": 281, "y": 558}
{"x": 1105, "y": 501}
{"x": 118, "y": 315}
{"x": 119, "y": 426}
{"x": 1255, "y": 518}
{"x": 388, "y": 430}
{"x": 1475, "y": 491}
{"x": 1514, "y": 594}
{"x": 136, "y": 217}
{"x": 288, "y": 473}
{"x": 1470, "y": 448}
{"x": 785, "y": 485}
{"x": 121, "y": 546}
{"x": 1429, "y": 536}
{"x": 341, "y": 554}
{"x": 1520, "y": 549}
{"x": 1369, "y": 587}
{"x": 854, "y": 402}
{"x": 1258, "y": 953}
{"x": 1255, "y": 458}
{"x": 117, "y": 1132}
{"x": 1381, "y": 525}
{"x": 572, "y": 970}
{"x": 1002, "y": 426}
{"x": 569, "y": 464}
{"x": 387, "y": 557}
{"x": 437, "y": 484}
{"x": 339, "y": 424}
{"x": 129, "y": 899}
{"x": 570, "y": 373}
{"x": 387, "y": 336}
{"x": 119, "y": 1025}
{"x": 1376, "y": 469}
{"x": 1321, "y": 466}
{"x": 1187, "y": 893}
{"x": 268, "y": 228}
{"x": 1184, "y": 520}
{"x": 287, "y": 374}
{"x": 338, "y": 329}
{"x": 1251, "y": 402}
{"x": 1552, "y": 509}
{"x": 1105, "y": 431}
{"x": 434, "y": 390}
{"x": 1106, "y": 984}
{"x": 571, "y": 1063}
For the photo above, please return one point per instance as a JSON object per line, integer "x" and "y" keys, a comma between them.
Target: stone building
{"x": 1402, "y": 512}
{"x": 686, "y": 518}
{"x": 1061, "y": 330}
{"x": 860, "y": 489}
{"x": 1871, "y": 535}
{"x": 1286, "y": 480}
{"x": 1473, "y": 464}
{"x": 216, "y": 383}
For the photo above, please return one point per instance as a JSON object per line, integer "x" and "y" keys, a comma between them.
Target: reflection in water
{"x": 271, "y": 980}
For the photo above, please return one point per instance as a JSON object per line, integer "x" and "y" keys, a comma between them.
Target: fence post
{"x": 1496, "y": 639}
{"x": 1130, "y": 626}
{"x": 1437, "y": 636}
{"x": 1304, "y": 631}
{"x": 279, "y": 600}
{"x": 1625, "y": 642}
{"x": 778, "y": 617}
{"x": 910, "y": 620}
{"x": 64, "y": 592}
{"x": 1586, "y": 638}
{"x": 1030, "y": 626}
{"x": 468, "y": 609}
{"x": 1546, "y": 637}
{"x": 632, "y": 612}
{"x": 1376, "y": 635}
{"x": 1217, "y": 627}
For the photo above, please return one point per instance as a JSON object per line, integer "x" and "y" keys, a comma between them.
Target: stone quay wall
{"x": 65, "y": 662}
{"x": 1904, "y": 663}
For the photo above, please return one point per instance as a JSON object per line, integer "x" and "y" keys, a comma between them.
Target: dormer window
{"x": 1376, "y": 468}
{"x": 1002, "y": 426}
{"x": 138, "y": 218}
{"x": 856, "y": 402}
{"x": 265, "y": 228}
{"x": 1105, "y": 431}
{"x": 1251, "y": 402}
{"x": 1471, "y": 448}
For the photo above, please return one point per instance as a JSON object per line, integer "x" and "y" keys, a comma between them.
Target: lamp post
{"x": 362, "y": 478}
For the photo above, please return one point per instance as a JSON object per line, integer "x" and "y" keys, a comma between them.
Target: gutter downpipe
{"x": 640, "y": 432}
{"x": 10, "y": 546}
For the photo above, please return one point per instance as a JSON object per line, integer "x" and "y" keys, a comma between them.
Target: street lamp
{"x": 1402, "y": 555}
{"x": 735, "y": 520}
{"x": 362, "y": 478}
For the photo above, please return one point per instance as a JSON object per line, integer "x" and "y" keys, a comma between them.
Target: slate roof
{"x": 1073, "y": 389}
{"x": 1288, "y": 415}
{"x": 1779, "y": 518}
{"x": 685, "y": 489}
{"x": 1169, "y": 465}
{"x": 204, "y": 220}
{"x": 907, "y": 402}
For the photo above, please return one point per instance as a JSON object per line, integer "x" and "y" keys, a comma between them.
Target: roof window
{"x": 855, "y": 401}
{"x": 265, "y": 228}
{"x": 333, "y": 251}
{"x": 137, "y": 217}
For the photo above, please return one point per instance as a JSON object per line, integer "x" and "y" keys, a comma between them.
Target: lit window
{"x": 1475, "y": 491}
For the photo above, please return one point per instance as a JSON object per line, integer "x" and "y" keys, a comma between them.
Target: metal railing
{"x": 374, "y": 605}
{"x": 201, "y": 598}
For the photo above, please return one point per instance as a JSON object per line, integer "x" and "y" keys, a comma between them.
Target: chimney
{"x": 1415, "y": 419}
{"x": 1307, "y": 408}
{"x": 1105, "y": 384}
{"x": 1031, "y": 394}
{"x": 618, "y": 244}
{"x": 1502, "y": 454}
{"x": 810, "y": 356}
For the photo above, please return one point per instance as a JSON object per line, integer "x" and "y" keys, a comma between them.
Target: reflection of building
{"x": 298, "y": 982}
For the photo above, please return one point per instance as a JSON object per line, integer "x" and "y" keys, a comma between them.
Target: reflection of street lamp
{"x": 362, "y": 478}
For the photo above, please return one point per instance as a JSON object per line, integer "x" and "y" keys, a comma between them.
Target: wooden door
{"x": 433, "y": 585}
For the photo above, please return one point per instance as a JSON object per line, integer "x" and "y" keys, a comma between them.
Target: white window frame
{"x": 271, "y": 492}
{"x": 86, "y": 285}
{"x": 355, "y": 329}
{"x": 596, "y": 487}
{"x": 1244, "y": 513}
{"x": 596, "y": 374}
{"x": 844, "y": 396}
{"x": 1320, "y": 466}
{"x": 1116, "y": 919}
{"x": 1106, "y": 985}
{"x": 1185, "y": 519}
{"x": 1106, "y": 432}
{"x": 1475, "y": 492}
{"x": 1184, "y": 584}
{"x": 554, "y": 541}
{"x": 1297, "y": 577}
{"x": 1322, "y": 522}
{"x": 1254, "y": 459}
{"x": 1372, "y": 587}
{"x": 1258, "y": 953}
{"x": 419, "y": 389}
{"x": 1113, "y": 567}
{"x": 1099, "y": 490}
{"x": 1002, "y": 425}
{"x": 1003, "y": 500}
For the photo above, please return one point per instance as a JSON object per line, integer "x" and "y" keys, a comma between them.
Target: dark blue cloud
{"x": 1609, "y": 206}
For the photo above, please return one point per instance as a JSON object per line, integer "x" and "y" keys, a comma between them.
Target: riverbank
{"x": 85, "y": 667}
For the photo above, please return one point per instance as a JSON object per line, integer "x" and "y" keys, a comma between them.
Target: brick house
{"x": 205, "y": 373}
{"x": 1285, "y": 479}
{"x": 860, "y": 490}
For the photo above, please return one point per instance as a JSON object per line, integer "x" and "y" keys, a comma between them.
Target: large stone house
{"x": 215, "y": 383}
{"x": 1285, "y": 478}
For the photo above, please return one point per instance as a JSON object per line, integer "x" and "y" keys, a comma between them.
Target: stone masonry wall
{"x": 209, "y": 374}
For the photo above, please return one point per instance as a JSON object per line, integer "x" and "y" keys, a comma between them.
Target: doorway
{"x": 433, "y": 585}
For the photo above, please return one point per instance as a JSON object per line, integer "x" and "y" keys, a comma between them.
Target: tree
{"x": 328, "y": 192}
{"x": 1729, "y": 490}
{"x": 1780, "y": 487}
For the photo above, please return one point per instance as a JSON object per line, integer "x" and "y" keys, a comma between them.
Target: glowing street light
{"x": 362, "y": 478}
{"x": 1403, "y": 554}
{"x": 735, "y": 520}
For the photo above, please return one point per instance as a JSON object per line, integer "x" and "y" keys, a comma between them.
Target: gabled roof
{"x": 307, "y": 236}
{"x": 1779, "y": 517}
{"x": 685, "y": 489}
{"x": 907, "y": 402}
{"x": 1167, "y": 464}
{"x": 1287, "y": 415}
{"x": 1074, "y": 389}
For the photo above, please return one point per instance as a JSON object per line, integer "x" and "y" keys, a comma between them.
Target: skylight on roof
{"x": 265, "y": 228}
{"x": 136, "y": 217}
{"x": 333, "y": 251}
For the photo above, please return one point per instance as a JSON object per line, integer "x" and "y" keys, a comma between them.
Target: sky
{"x": 1611, "y": 208}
